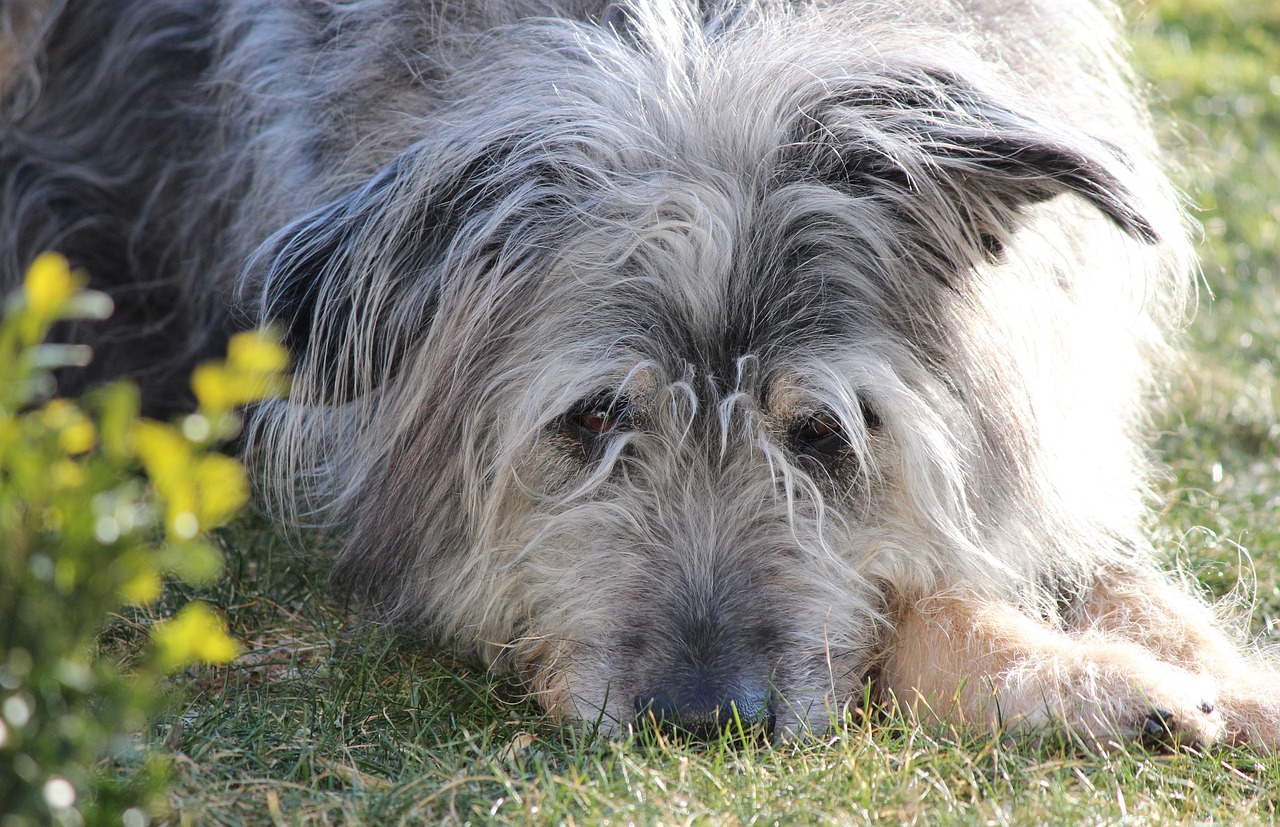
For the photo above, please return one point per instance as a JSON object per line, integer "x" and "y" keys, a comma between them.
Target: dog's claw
{"x": 1158, "y": 728}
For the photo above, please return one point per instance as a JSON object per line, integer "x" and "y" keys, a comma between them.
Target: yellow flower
{"x": 164, "y": 453}
{"x": 257, "y": 351}
{"x": 49, "y": 284}
{"x": 78, "y": 438}
{"x": 214, "y": 387}
{"x": 66, "y": 474}
{"x": 200, "y": 492}
{"x": 222, "y": 486}
{"x": 195, "y": 635}
{"x": 253, "y": 371}
{"x": 76, "y": 434}
{"x": 143, "y": 588}
{"x": 166, "y": 456}
{"x": 57, "y": 413}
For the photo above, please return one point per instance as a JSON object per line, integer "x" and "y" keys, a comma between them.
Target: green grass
{"x": 324, "y": 721}
{"x": 1218, "y": 64}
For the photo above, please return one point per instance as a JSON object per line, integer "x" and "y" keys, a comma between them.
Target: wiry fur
{"x": 940, "y": 227}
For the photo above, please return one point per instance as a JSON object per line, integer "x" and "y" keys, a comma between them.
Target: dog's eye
{"x": 821, "y": 433}
{"x": 597, "y": 420}
{"x": 601, "y": 416}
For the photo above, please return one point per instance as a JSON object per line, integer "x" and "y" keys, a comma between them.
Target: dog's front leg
{"x": 959, "y": 658}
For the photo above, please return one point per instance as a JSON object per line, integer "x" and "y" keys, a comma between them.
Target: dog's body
{"x": 683, "y": 362}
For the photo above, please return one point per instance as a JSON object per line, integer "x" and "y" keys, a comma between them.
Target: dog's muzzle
{"x": 705, "y": 711}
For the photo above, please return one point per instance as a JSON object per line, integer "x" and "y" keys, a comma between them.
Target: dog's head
{"x": 663, "y": 365}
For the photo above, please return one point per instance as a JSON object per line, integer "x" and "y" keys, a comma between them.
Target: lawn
{"x": 324, "y": 721}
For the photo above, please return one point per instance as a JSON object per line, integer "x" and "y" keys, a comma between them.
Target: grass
{"x": 324, "y": 721}
{"x": 1218, "y": 63}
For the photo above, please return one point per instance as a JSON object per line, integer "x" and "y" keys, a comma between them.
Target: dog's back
{"x": 109, "y": 153}
{"x": 157, "y": 144}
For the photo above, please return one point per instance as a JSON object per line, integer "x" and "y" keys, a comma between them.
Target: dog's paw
{"x": 1162, "y": 729}
{"x": 1110, "y": 694}
{"x": 1251, "y": 708}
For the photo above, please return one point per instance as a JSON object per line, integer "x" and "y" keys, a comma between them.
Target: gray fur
{"x": 473, "y": 218}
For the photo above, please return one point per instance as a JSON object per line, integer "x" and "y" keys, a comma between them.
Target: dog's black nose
{"x": 704, "y": 715}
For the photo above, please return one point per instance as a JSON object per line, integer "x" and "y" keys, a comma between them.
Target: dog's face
{"x": 687, "y": 501}
{"x": 662, "y": 411}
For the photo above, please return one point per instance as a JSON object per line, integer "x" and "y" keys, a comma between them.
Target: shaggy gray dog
{"x": 695, "y": 365}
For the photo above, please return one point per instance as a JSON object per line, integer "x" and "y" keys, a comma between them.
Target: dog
{"x": 701, "y": 366}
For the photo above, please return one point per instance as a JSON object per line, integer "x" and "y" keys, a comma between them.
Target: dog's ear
{"x": 936, "y": 149}
{"x": 356, "y": 281}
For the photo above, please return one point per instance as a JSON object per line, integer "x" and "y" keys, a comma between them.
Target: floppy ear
{"x": 356, "y": 282}
{"x": 935, "y": 148}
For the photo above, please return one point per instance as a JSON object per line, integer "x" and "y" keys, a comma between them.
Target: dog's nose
{"x": 704, "y": 715}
